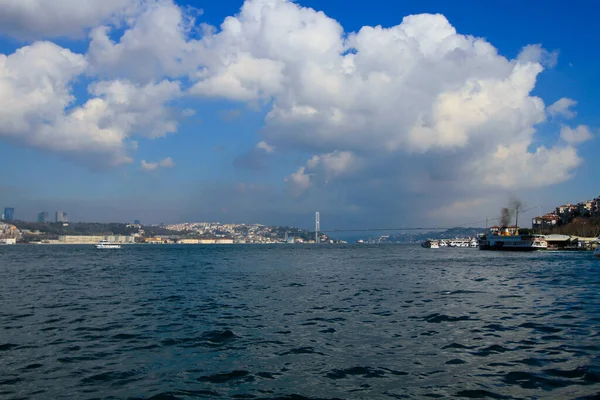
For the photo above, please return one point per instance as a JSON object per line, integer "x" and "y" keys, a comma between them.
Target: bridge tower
{"x": 317, "y": 226}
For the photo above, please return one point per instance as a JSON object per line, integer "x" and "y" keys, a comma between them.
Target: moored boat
{"x": 504, "y": 239}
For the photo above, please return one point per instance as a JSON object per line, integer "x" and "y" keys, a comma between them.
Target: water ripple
{"x": 297, "y": 322}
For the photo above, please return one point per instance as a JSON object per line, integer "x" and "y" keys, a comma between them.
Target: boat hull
{"x": 510, "y": 248}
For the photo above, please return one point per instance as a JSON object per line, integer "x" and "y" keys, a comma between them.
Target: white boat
{"x": 105, "y": 244}
{"x": 431, "y": 244}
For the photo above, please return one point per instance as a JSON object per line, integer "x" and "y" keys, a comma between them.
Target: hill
{"x": 418, "y": 237}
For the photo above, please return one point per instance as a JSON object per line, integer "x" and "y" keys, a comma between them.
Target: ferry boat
{"x": 505, "y": 239}
{"x": 105, "y": 244}
{"x": 431, "y": 244}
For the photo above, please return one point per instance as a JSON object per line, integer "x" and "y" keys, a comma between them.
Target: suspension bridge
{"x": 411, "y": 228}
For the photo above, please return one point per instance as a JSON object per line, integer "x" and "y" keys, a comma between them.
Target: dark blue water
{"x": 286, "y": 321}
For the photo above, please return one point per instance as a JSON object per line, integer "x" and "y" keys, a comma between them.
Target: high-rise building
{"x": 60, "y": 216}
{"x": 43, "y": 217}
{"x": 137, "y": 222}
{"x": 9, "y": 214}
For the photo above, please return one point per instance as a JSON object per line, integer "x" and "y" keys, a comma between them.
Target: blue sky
{"x": 411, "y": 129}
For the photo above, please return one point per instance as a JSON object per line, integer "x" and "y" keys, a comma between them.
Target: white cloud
{"x": 151, "y": 166}
{"x": 417, "y": 108}
{"x": 188, "y": 112}
{"x": 513, "y": 167}
{"x": 298, "y": 182}
{"x": 562, "y": 108}
{"x": 245, "y": 79}
{"x": 265, "y": 146}
{"x": 154, "y": 46}
{"x": 576, "y": 136}
{"x": 535, "y": 53}
{"x": 412, "y": 90}
{"x": 409, "y": 91}
{"x": 36, "y": 19}
{"x": 321, "y": 169}
{"x": 37, "y": 107}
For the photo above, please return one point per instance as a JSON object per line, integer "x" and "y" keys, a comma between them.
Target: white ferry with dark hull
{"x": 512, "y": 242}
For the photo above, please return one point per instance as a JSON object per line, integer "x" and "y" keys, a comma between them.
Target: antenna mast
{"x": 517, "y": 221}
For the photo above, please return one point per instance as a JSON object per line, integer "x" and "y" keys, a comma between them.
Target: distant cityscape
{"x": 59, "y": 216}
{"x": 59, "y": 230}
{"x": 581, "y": 219}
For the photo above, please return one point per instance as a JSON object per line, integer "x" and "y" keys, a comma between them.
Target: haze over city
{"x": 376, "y": 114}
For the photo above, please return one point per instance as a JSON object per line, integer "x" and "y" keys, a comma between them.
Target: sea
{"x": 297, "y": 322}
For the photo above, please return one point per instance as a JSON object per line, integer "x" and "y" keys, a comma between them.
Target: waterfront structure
{"x": 9, "y": 214}
{"x": 188, "y": 241}
{"x": 43, "y": 217}
{"x": 80, "y": 239}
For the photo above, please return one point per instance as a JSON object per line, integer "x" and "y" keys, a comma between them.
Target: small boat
{"x": 105, "y": 244}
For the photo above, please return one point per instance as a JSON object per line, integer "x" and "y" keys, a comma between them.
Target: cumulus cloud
{"x": 562, "y": 108}
{"x": 412, "y": 90}
{"x": 322, "y": 169}
{"x": 154, "y": 46}
{"x": 37, "y": 107}
{"x": 298, "y": 182}
{"x": 537, "y": 54}
{"x": 151, "y": 166}
{"x": 580, "y": 134}
{"x": 36, "y": 19}
{"x": 416, "y": 109}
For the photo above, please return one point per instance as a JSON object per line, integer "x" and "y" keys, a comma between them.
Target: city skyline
{"x": 264, "y": 111}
